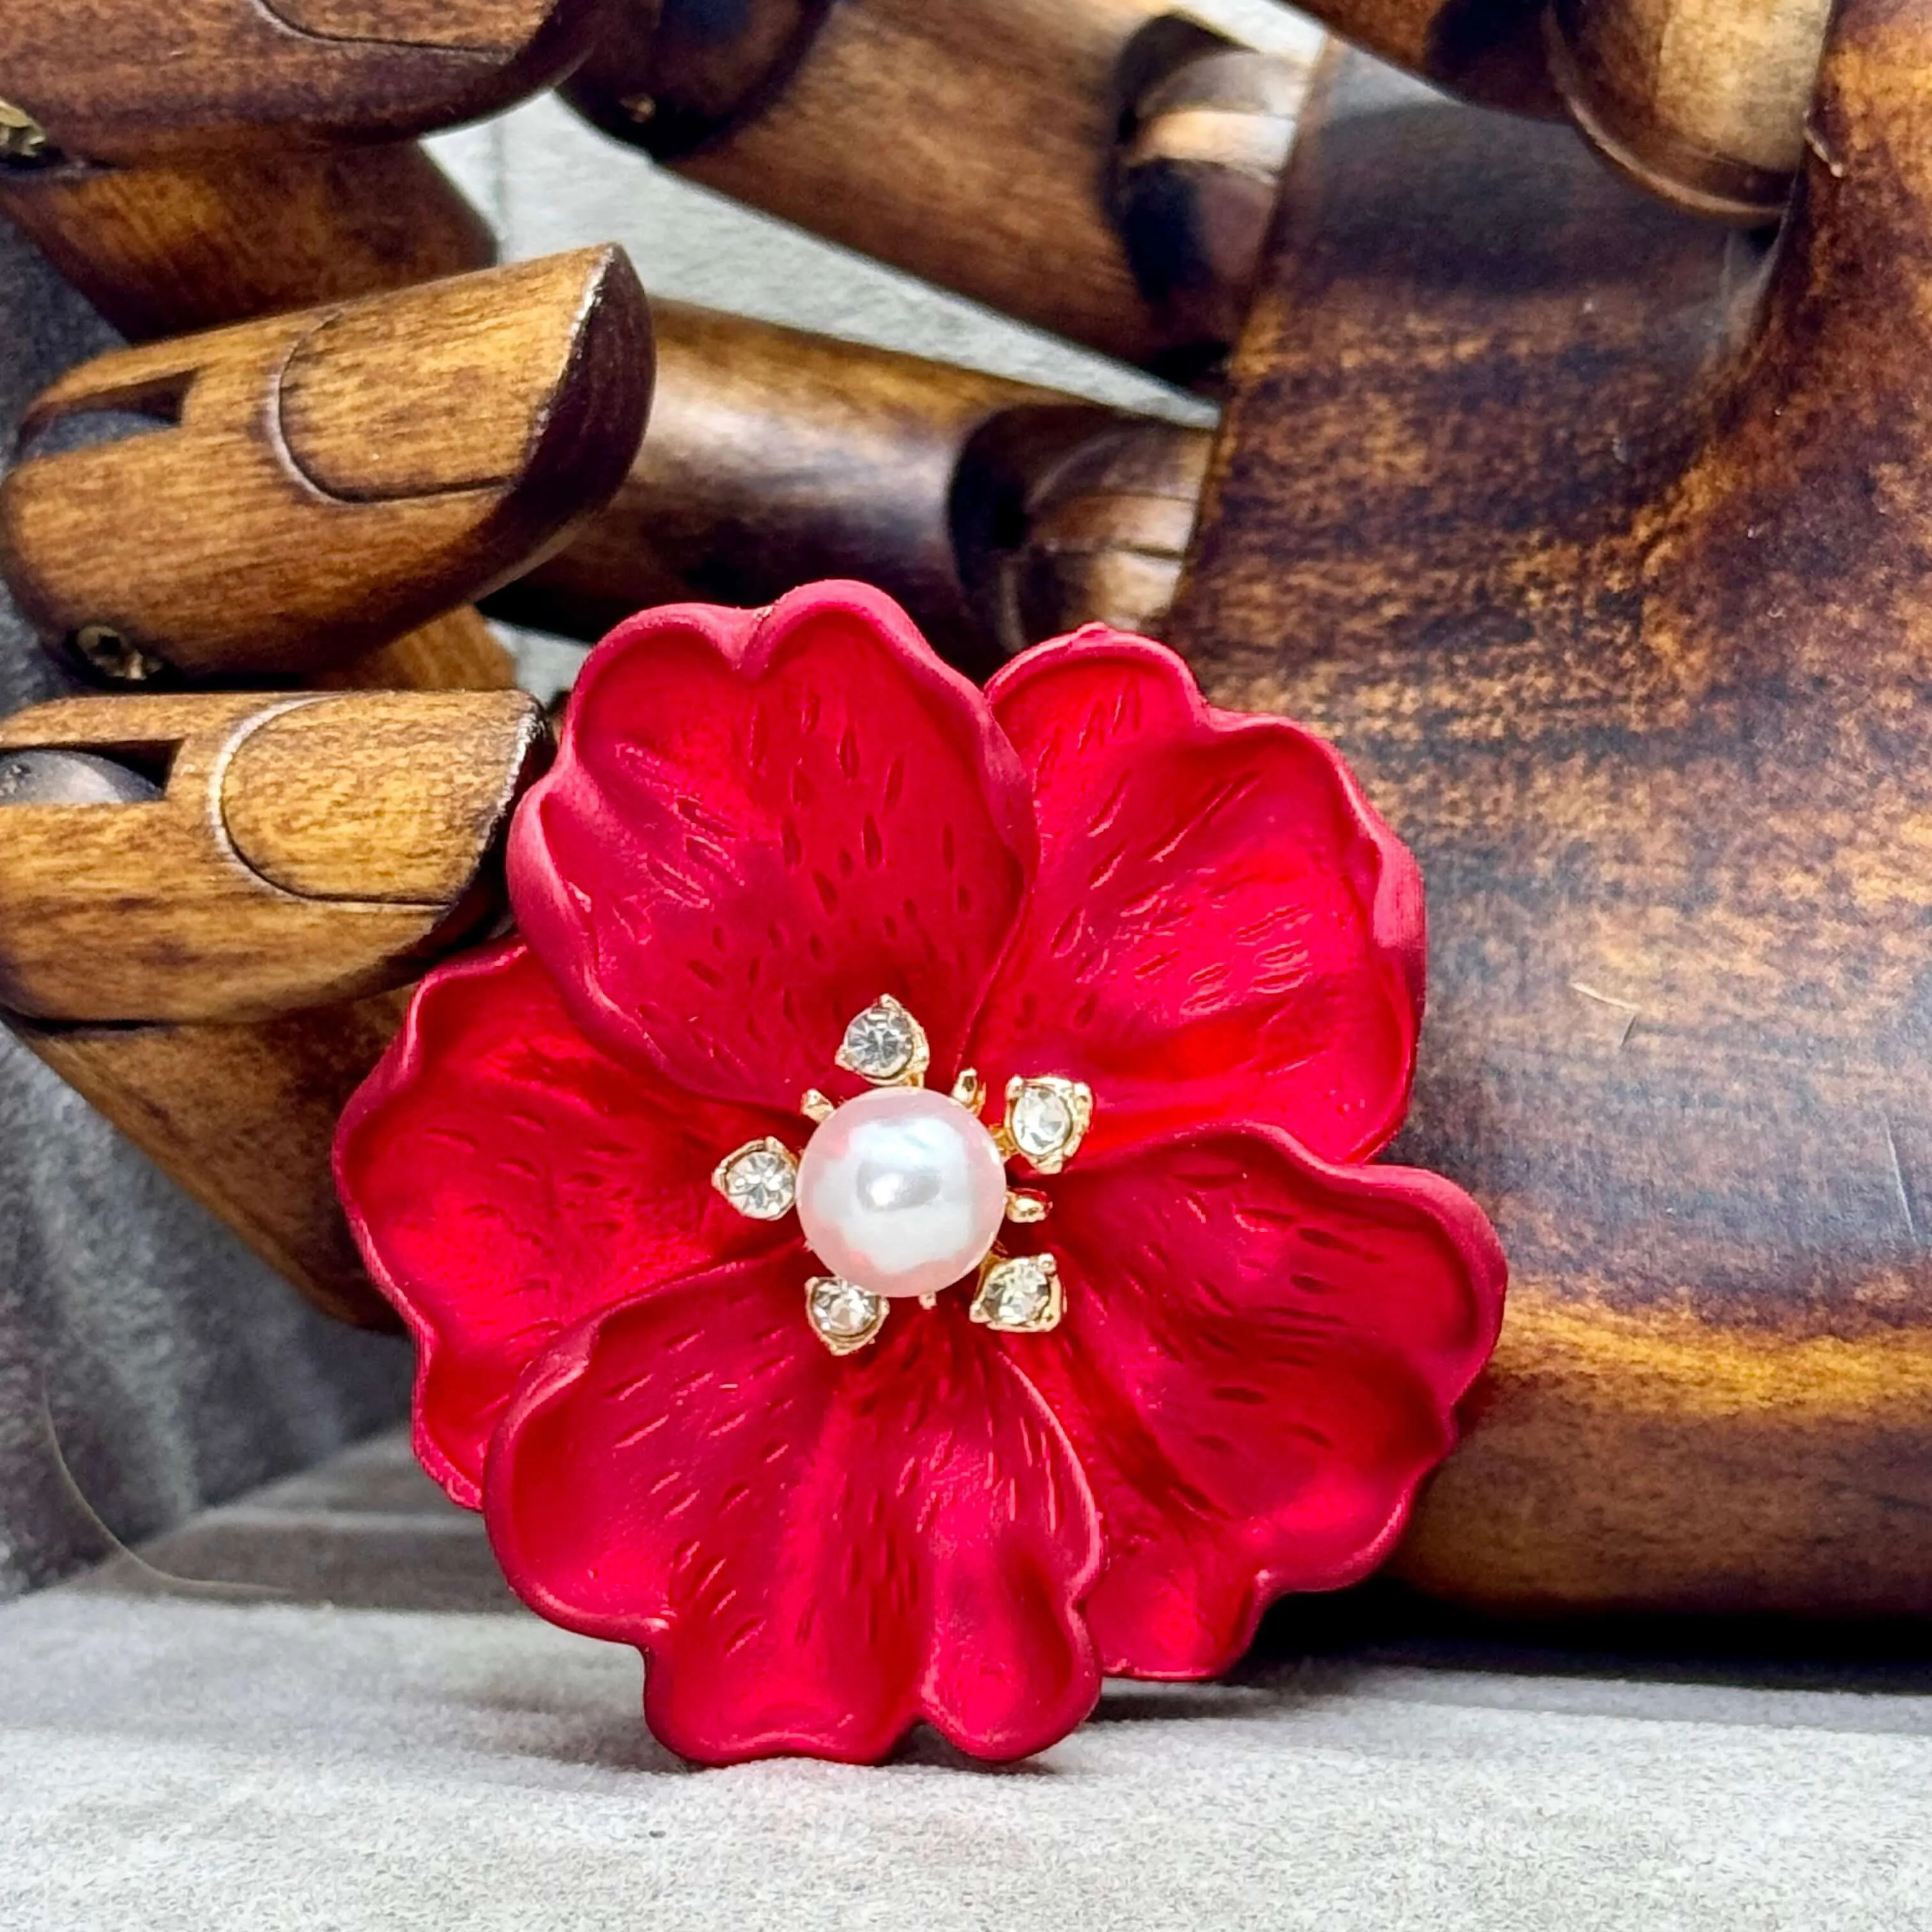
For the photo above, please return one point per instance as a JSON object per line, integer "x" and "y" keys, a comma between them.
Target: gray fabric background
{"x": 370, "y": 1736}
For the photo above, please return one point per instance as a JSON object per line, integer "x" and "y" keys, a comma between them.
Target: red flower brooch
{"x": 853, "y": 1401}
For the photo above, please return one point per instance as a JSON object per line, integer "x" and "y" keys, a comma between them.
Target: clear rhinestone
{"x": 1021, "y": 1296}
{"x": 1042, "y": 1120}
{"x": 759, "y": 1181}
{"x": 883, "y": 1042}
{"x": 1046, "y": 1117}
{"x": 845, "y": 1315}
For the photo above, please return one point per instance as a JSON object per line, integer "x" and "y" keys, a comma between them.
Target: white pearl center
{"x": 901, "y": 1191}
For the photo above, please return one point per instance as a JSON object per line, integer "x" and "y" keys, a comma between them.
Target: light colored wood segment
{"x": 306, "y": 849}
{"x": 444, "y": 388}
{"x": 177, "y": 246}
{"x": 386, "y": 802}
{"x": 112, "y": 82}
{"x": 278, "y": 532}
{"x": 494, "y": 27}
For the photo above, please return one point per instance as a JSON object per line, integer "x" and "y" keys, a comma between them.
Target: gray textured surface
{"x": 168, "y": 1365}
{"x": 170, "y": 1763}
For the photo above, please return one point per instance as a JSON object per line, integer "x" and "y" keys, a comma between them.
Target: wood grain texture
{"x": 1701, "y": 101}
{"x": 172, "y": 248}
{"x": 242, "y": 1118}
{"x": 456, "y": 652}
{"x": 1489, "y": 51}
{"x": 880, "y": 129}
{"x": 1603, "y": 558}
{"x": 304, "y": 850}
{"x": 316, "y": 485}
{"x": 112, "y": 82}
{"x": 774, "y": 458}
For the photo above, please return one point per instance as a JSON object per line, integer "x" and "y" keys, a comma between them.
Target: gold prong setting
{"x": 844, "y": 1316}
{"x": 885, "y": 1046}
{"x": 1045, "y": 1117}
{"x": 1018, "y": 1295}
{"x": 759, "y": 1179}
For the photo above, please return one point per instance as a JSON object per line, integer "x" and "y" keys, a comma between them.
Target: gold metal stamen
{"x": 1024, "y": 1206}
{"x": 1019, "y": 1295}
{"x": 815, "y": 1106}
{"x": 969, "y": 1090}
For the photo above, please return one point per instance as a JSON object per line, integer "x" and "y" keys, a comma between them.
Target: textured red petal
{"x": 813, "y": 1552}
{"x": 1221, "y": 927}
{"x": 1259, "y": 1362}
{"x": 757, "y": 823}
{"x": 505, "y": 1179}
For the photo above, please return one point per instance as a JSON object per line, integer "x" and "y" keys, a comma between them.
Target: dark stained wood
{"x": 1102, "y": 525}
{"x": 673, "y": 74}
{"x": 313, "y": 486}
{"x": 112, "y": 81}
{"x": 996, "y": 512}
{"x": 174, "y": 247}
{"x": 1489, "y": 51}
{"x": 303, "y": 849}
{"x": 1192, "y": 191}
{"x": 981, "y": 145}
{"x": 1612, "y": 584}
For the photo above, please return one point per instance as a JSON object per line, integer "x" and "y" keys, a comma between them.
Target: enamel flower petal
{"x": 758, "y": 821}
{"x": 1278, "y": 1341}
{"x": 1221, "y": 928}
{"x": 505, "y": 1178}
{"x": 814, "y": 1552}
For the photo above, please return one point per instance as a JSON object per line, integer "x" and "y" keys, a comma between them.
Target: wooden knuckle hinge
{"x": 285, "y": 495}
{"x": 229, "y": 857}
{"x": 108, "y": 81}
